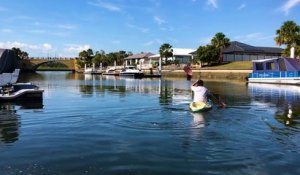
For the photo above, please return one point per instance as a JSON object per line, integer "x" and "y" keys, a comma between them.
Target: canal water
{"x": 105, "y": 125}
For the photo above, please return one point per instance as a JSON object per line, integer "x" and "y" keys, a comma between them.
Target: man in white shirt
{"x": 201, "y": 94}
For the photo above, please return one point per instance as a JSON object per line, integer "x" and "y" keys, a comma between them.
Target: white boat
{"x": 10, "y": 90}
{"x": 276, "y": 71}
{"x": 91, "y": 70}
{"x": 131, "y": 71}
{"x": 21, "y": 92}
{"x": 111, "y": 71}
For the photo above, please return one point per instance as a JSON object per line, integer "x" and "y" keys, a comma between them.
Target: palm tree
{"x": 220, "y": 42}
{"x": 165, "y": 51}
{"x": 289, "y": 35}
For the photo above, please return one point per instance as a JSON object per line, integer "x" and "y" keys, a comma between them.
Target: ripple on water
{"x": 168, "y": 118}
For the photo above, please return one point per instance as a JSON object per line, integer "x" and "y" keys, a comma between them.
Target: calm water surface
{"x": 105, "y": 125}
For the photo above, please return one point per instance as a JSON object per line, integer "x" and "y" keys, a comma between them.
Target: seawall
{"x": 210, "y": 74}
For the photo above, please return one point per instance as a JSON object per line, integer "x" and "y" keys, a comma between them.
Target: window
{"x": 270, "y": 66}
{"x": 259, "y": 66}
{"x": 282, "y": 66}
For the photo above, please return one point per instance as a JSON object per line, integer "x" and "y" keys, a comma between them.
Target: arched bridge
{"x": 31, "y": 65}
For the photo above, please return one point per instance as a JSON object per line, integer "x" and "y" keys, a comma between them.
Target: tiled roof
{"x": 241, "y": 47}
{"x": 139, "y": 56}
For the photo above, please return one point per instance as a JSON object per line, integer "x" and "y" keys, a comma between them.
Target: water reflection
{"x": 284, "y": 98}
{"x": 198, "y": 120}
{"x": 9, "y": 119}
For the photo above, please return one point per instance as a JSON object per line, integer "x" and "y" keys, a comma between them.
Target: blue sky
{"x": 66, "y": 27}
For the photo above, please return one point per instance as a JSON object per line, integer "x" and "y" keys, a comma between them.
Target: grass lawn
{"x": 237, "y": 65}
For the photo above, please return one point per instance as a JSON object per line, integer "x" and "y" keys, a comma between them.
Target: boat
{"x": 111, "y": 71}
{"x": 20, "y": 92}
{"x": 131, "y": 71}
{"x": 200, "y": 106}
{"x": 91, "y": 70}
{"x": 10, "y": 90}
{"x": 276, "y": 71}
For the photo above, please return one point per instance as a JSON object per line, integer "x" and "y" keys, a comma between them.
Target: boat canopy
{"x": 276, "y": 64}
{"x": 8, "y": 61}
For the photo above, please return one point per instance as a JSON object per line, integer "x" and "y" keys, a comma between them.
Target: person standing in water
{"x": 201, "y": 94}
{"x": 189, "y": 73}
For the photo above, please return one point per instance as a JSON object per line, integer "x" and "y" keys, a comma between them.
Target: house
{"x": 238, "y": 51}
{"x": 138, "y": 59}
{"x": 180, "y": 56}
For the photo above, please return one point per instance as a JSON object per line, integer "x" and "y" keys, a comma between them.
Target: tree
{"x": 220, "y": 42}
{"x": 289, "y": 35}
{"x": 165, "y": 51}
{"x": 19, "y": 53}
{"x": 86, "y": 56}
{"x": 208, "y": 53}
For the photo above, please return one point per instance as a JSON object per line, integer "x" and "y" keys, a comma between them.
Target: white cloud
{"x": 212, "y": 3}
{"x": 66, "y": 26}
{"x": 105, "y": 5}
{"x": 6, "y": 30}
{"x": 73, "y": 48}
{"x": 253, "y": 37}
{"x": 242, "y": 6}
{"x": 116, "y": 42}
{"x": 37, "y": 31}
{"x": 205, "y": 40}
{"x": 46, "y": 47}
{"x": 159, "y": 20}
{"x": 152, "y": 42}
{"x": 289, "y": 5}
{"x": 168, "y": 28}
{"x": 141, "y": 29}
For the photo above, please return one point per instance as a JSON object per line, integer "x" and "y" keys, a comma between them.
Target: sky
{"x": 63, "y": 28}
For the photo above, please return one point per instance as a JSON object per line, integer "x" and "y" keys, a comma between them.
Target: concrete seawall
{"x": 210, "y": 74}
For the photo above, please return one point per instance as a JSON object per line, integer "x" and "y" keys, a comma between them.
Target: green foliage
{"x": 287, "y": 51}
{"x": 208, "y": 54}
{"x": 53, "y": 64}
{"x": 19, "y": 53}
{"x": 80, "y": 63}
{"x": 166, "y": 51}
{"x": 220, "y": 42}
{"x": 87, "y": 57}
{"x": 289, "y": 35}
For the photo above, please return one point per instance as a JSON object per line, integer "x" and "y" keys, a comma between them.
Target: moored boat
{"x": 111, "y": 71}
{"x": 132, "y": 71}
{"x": 276, "y": 71}
{"x": 10, "y": 90}
{"x": 20, "y": 92}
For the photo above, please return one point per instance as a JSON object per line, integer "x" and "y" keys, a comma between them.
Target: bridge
{"x": 31, "y": 65}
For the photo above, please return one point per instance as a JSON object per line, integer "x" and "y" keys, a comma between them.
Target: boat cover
{"x": 281, "y": 64}
{"x": 8, "y": 61}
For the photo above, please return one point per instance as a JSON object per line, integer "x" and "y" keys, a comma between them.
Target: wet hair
{"x": 200, "y": 83}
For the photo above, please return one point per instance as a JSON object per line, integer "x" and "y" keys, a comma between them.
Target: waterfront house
{"x": 180, "y": 56}
{"x": 238, "y": 51}
{"x": 138, "y": 59}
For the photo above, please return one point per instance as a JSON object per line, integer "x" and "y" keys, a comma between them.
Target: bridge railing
{"x": 52, "y": 58}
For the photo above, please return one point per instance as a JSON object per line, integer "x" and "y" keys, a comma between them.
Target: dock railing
{"x": 281, "y": 74}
